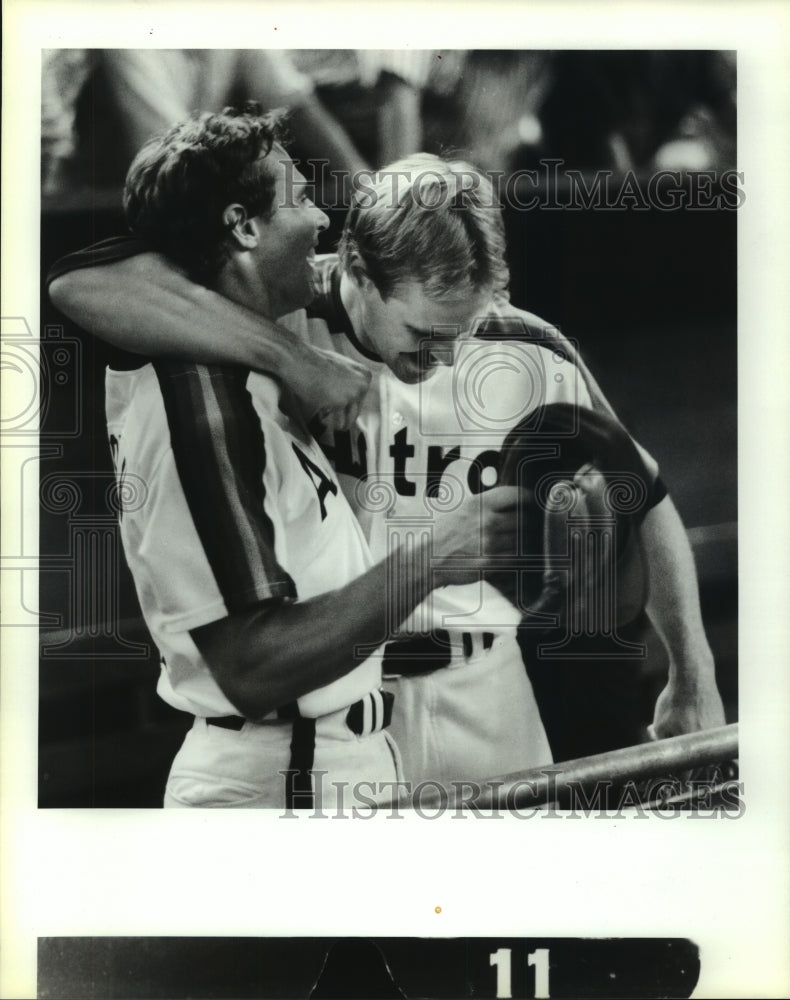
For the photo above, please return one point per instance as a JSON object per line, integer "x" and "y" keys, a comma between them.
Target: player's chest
{"x": 420, "y": 443}
{"x": 298, "y": 480}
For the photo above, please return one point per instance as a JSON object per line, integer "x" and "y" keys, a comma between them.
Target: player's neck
{"x": 246, "y": 287}
{"x": 352, "y": 303}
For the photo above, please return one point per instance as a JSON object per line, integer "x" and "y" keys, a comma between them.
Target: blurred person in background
{"x": 377, "y": 94}
{"x": 638, "y": 110}
{"x": 485, "y": 103}
{"x": 100, "y": 106}
{"x": 64, "y": 73}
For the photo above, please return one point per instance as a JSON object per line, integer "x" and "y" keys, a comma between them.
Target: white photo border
{"x": 723, "y": 884}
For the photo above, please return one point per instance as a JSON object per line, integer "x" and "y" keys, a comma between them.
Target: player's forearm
{"x": 269, "y": 657}
{"x": 143, "y": 304}
{"x": 673, "y": 604}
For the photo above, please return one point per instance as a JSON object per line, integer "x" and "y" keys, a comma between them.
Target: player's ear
{"x": 242, "y": 229}
{"x": 355, "y": 269}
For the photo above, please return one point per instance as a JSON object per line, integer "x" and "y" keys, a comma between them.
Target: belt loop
{"x": 476, "y": 644}
{"x": 370, "y": 714}
{"x": 428, "y": 653}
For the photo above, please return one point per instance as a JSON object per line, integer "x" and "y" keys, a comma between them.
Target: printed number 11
{"x": 539, "y": 958}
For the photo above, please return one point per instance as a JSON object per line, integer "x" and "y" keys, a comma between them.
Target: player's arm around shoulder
{"x": 141, "y": 302}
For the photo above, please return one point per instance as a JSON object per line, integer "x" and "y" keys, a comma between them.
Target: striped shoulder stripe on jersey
{"x": 327, "y": 303}
{"x": 531, "y": 329}
{"x": 322, "y": 304}
{"x": 220, "y": 456}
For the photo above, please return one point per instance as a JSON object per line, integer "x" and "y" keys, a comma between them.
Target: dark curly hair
{"x": 180, "y": 182}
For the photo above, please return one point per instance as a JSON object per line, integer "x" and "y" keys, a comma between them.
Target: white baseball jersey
{"x": 419, "y": 449}
{"x": 235, "y": 504}
{"x": 415, "y": 449}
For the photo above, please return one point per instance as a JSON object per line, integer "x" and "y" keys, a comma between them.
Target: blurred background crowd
{"x": 356, "y": 109}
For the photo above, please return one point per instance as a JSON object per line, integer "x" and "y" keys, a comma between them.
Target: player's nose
{"x": 321, "y": 220}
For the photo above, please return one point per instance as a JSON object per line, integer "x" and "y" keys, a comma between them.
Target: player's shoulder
{"x": 209, "y": 395}
{"x": 503, "y": 322}
{"x": 107, "y": 251}
{"x": 185, "y": 386}
{"x": 212, "y": 406}
{"x": 516, "y": 333}
{"x": 205, "y": 401}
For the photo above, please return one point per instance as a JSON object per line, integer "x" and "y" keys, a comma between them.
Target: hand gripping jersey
{"x": 235, "y": 504}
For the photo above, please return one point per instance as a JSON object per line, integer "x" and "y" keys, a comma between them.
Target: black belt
{"x": 424, "y": 653}
{"x": 370, "y": 714}
{"x": 236, "y": 722}
{"x": 227, "y": 722}
{"x": 378, "y": 716}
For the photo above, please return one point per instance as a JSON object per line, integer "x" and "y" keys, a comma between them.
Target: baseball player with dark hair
{"x": 252, "y": 572}
{"x": 423, "y": 234}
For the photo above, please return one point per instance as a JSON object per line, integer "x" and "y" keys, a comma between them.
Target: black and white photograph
{"x": 234, "y": 570}
{"x": 384, "y": 438}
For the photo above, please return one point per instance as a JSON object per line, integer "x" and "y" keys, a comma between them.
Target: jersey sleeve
{"x": 217, "y": 464}
{"x": 507, "y": 323}
{"x": 107, "y": 252}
